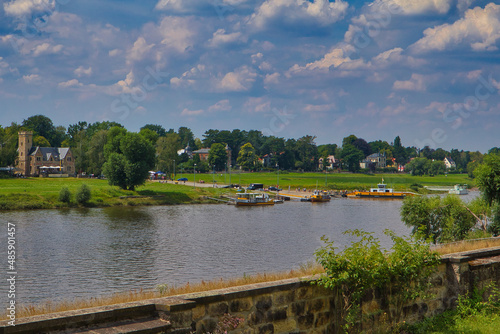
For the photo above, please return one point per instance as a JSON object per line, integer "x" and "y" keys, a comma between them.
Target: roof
{"x": 202, "y": 151}
{"x": 375, "y": 155}
{"x": 450, "y": 160}
{"x": 57, "y": 153}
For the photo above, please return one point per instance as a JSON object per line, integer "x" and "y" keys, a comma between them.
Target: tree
{"x": 418, "y": 166}
{"x": 166, "y": 151}
{"x": 149, "y": 135}
{"x": 349, "y": 140}
{"x": 83, "y": 194}
{"x": 160, "y": 130}
{"x": 438, "y": 219}
{"x": 351, "y": 157}
{"x": 40, "y": 141}
{"x": 129, "y": 165}
{"x": 363, "y": 146}
{"x": 307, "y": 153}
{"x": 247, "y": 157}
{"x": 217, "y": 156}
{"x": 95, "y": 154}
{"x": 437, "y": 167}
{"x": 488, "y": 178}
{"x": 186, "y": 137}
{"x": 41, "y": 126}
{"x": 399, "y": 152}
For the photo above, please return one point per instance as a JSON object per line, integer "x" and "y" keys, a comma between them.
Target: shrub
{"x": 83, "y": 194}
{"x": 65, "y": 195}
{"x": 403, "y": 273}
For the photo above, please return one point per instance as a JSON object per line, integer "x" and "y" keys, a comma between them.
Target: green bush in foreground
{"x": 65, "y": 195}
{"x": 83, "y": 194}
{"x": 402, "y": 274}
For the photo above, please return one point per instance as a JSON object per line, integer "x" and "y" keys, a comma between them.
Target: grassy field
{"x": 43, "y": 193}
{"x": 333, "y": 181}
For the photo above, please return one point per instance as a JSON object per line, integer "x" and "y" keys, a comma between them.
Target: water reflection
{"x": 86, "y": 253}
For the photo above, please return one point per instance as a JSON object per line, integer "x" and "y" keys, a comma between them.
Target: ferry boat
{"x": 380, "y": 192}
{"x": 459, "y": 189}
{"x": 320, "y": 196}
{"x": 253, "y": 199}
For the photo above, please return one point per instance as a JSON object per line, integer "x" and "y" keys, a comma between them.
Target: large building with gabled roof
{"x": 44, "y": 161}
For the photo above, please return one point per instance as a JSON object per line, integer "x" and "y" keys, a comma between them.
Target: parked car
{"x": 182, "y": 179}
{"x": 272, "y": 188}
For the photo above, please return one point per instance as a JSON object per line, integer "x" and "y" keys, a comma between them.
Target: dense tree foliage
{"x": 447, "y": 219}
{"x": 247, "y": 159}
{"x": 128, "y": 160}
{"x": 93, "y": 143}
{"x": 217, "y": 156}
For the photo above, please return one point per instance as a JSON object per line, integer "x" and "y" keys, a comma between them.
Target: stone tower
{"x": 25, "y": 144}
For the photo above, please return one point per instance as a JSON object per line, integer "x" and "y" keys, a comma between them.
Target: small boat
{"x": 320, "y": 196}
{"x": 380, "y": 192}
{"x": 459, "y": 189}
{"x": 253, "y": 199}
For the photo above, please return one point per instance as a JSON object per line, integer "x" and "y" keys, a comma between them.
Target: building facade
{"x": 36, "y": 160}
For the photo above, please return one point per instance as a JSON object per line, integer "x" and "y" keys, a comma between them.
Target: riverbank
{"x": 43, "y": 193}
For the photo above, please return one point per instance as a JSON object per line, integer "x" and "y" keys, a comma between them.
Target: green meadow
{"x": 43, "y": 193}
{"x": 330, "y": 181}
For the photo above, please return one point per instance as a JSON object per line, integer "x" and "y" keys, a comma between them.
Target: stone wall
{"x": 287, "y": 306}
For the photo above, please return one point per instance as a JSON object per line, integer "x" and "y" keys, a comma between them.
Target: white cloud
{"x": 336, "y": 58}
{"x": 45, "y": 49}
{"x": 188, "y": 78}
{"x": 220, "y": 38}
{"x": 272, "y": 79}
{"x": 257, "y": 105}
{"x": 70, "y": 83}
{"x": 81, "y": 71}
{"x": 414, "y": 7}
{"x": 190, "y": 6}
{"x": 395, "y": 56}
{"x": 139, "y": 50}
{"x": 297, "y": 11}
{"x": 187, "y": 112}
{"x": 28, "y": 7}
{"x": 238, "y": 81}
{"x": 416, "y": 83}
{"x": 222, "y": 105}
{"x": 479, "y": 28}
{"x": 32, "y": 79}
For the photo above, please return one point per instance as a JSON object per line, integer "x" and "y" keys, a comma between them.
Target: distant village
{"x": 81, "y": 150}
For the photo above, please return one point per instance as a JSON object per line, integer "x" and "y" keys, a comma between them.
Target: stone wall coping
{"x": 470, "y": 255}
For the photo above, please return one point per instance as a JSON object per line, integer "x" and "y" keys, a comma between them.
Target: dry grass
{"x": 466, "y": 245}
{"x": 163, "y": 290}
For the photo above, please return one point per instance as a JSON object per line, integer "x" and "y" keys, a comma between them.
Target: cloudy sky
{"x": 426, "y": 70}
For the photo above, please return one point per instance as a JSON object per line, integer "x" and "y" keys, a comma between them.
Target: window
{"x": 69, "y": 168}
{"x": 69, "y": 159}
{"x": 38, "y": 159}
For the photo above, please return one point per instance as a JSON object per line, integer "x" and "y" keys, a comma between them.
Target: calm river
{"x": 63, "y": 254}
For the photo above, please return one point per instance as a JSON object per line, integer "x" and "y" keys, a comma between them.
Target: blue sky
{"x": 427, "y": 70}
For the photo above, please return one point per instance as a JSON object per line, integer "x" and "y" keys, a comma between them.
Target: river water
{"x": 83, "y": 253}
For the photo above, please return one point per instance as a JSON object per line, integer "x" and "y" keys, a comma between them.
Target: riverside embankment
{"x": 287, "y": 306}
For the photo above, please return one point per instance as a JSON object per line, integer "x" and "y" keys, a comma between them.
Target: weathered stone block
{"x": 283, "y": 298}
{"x": 276, "y": 315}
{"x": 298, "y": 308}
{"x": 217, "y": 310}
{"x": 304, "y": 292}
{"x": 267, "y": 329}
{"x": 306, "y": 321}
{"x": 322, "y": 319}
{"x": 240, "y": 305}
{"x": 315, "y": 305}
{"x": 198, "y": 312}
{"x": 287, "y": 326}
{"x": 181, "y": 319}
{"x": 264, "y": 303}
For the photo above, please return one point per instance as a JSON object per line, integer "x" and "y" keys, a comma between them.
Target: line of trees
{"x": 90, "y": 144}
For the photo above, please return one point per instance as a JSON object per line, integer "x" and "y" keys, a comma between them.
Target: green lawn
{"x": 43, "y": 193}
{"x": 335, "y": 181}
